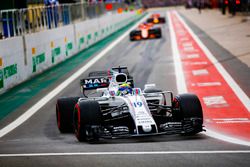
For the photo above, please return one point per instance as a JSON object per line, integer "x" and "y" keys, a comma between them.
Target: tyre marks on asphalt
{"x": 225, "y": 105}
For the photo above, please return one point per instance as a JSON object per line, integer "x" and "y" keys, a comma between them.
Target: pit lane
{"x": 149, "y": 61}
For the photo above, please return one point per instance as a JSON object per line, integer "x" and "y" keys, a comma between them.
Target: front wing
{"x": 168, "y": 129}
{"x": 152, "y": 34}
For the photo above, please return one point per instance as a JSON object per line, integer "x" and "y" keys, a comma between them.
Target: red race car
{"x": 156, "y": 19}
{"x": 145, "y": 31}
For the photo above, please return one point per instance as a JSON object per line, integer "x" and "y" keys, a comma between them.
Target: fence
{"x": 18, "y": 22}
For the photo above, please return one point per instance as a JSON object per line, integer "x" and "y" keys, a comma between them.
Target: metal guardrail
{"x": 18, "y": 22}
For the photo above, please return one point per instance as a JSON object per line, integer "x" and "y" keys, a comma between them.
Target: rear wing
{"x": 94, "y": 83}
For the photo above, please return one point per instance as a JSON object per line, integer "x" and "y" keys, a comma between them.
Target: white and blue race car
{"x": 125, "y": 111}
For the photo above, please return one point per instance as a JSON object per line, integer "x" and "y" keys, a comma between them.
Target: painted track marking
{"x": 128, "y": 153}
{"x": 31, "y": 111}
{"x": 217, "y": 101}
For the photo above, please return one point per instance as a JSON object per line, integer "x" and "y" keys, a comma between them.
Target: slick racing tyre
{"x": 150, "y": 20}
{"x": 158, "y": 33}
{"x": 133, "y": 34}
{"x": 162, "y": 20}
{"x": 87, "y": 120}
{"x": 64, "y": 113}
{"x": 131, "y": 37}
{"x": 187, "y": 109}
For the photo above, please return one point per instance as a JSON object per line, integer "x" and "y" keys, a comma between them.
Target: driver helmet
{"x": 124, "y": 89}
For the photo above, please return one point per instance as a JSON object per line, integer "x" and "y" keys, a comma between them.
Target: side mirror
{"x": 149, "y": 86}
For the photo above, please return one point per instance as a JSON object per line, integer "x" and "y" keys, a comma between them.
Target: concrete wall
{"x": 12, "y": 63}
{"x": 47, "y": 48}
{"x": 23, "y": 57}
{"x": 91, "y": 31}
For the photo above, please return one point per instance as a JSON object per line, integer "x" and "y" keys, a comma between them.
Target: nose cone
{"x": 147, "y": 128}
{"x": 156, "y": 20}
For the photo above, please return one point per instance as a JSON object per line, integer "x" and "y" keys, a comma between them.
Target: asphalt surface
{"x": 149, "y": 61}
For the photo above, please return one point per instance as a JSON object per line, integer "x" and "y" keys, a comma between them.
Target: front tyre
{"x": 158, "y": 33}
{"x": 64, "y": 113}
{"x": 188, "y": 110}
{"x": 87, "y": 120}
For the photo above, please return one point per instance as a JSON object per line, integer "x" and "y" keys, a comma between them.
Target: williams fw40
{"x": 122, "y": 111}
{"x": 156, "y": 19}
{"x": 145, "y": 31}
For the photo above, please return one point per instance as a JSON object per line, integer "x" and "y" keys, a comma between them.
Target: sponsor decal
{"x": 36, "y": 60}
{"x": 69, "y": 46}
{"x": 81, "y": 42}
{"x": 1, "y": 62}
{"x": 95, "y": 36}
{"x": 96, "y": 80}
{"x": 89, "y": 36}
{"x": 33, "y": 50}
{"x": 55, "y": 53}
{"x": 95, "y": 83}
{"x": 1, "y": 79}
{"x": 52, "y": 44}
{"x": 10, "y": 71}
{"x": 6, "y": 72}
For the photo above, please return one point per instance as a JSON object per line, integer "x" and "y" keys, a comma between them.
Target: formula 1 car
{"x": 145, "y": 31}
{"x": 156, "y": 19}
{"x": 123, "y": 111}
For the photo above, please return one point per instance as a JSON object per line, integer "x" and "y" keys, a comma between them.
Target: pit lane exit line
{"x": 32, "y": 110}
{"x": 127, "y": 153}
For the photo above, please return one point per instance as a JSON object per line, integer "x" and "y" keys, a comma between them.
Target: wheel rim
{"x": 176, "y": 103}
{"x": 77, "y": 121}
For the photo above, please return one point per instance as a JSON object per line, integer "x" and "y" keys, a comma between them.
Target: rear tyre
{"x": 132, "y": 39}
{"x": 150, "y": 20}
{"x": 163, "y": 20}
{"x": 188, "y": 109}
{"x": 158, "y": 34}
{"x": 87, "y": 120}
{"x": 64, "y": 113}
{"x": 131, "y": 36}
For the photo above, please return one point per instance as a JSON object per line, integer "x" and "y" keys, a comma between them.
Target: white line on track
{"x": 31, "y": 111}
{"x": 181, "y": 85}
{"x": 180, "y": 80}
{"x": 128, "y": 153}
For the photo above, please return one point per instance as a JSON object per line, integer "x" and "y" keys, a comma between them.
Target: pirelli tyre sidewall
{"x": 87, "y": 114}
{"x": 187, "y": 108}
{"x": 64, "y": 113}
